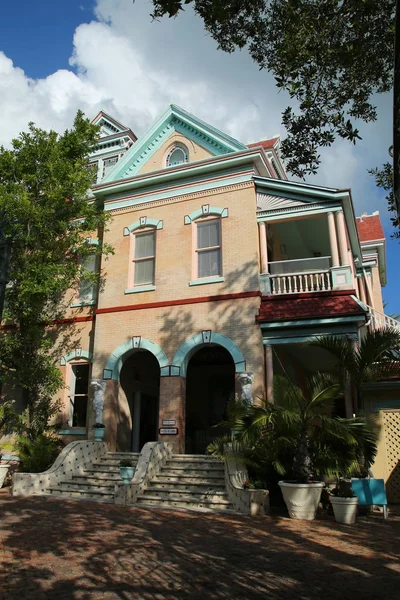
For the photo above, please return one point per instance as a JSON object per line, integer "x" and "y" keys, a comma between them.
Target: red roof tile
{"x": 370, "y": 228}
{"x": 308, "y": 306}
{"x": 266, "y": 144}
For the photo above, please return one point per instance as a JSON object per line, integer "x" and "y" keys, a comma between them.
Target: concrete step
{"x": 168, "y": 471}
{"x": 188, "y": 484}
{"x": 101, "y": 469}
{"x": 189, "y": 477}
{"x": 194, "y": 464}
{"x": 99, "y": 478}
{"x": 86, "y": 486}
{"x": 194, "y": 496}
{"x": 100, "y": 496}
{"x": 195, "y": 457}
{"x": 122, "y": 455}
{"x": 183, "y": 503}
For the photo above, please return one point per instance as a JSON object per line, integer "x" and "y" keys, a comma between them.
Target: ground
{"x": 52, "y": 549}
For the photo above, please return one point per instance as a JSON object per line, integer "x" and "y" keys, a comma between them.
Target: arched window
{"x": 177, "y": 155}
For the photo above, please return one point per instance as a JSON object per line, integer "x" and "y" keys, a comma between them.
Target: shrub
{"x": 37, "y": 455}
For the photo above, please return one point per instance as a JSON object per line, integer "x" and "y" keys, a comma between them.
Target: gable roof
{"x": 266, "y": 144}
{"x": 109, "y": 125}
{"x": 370, "y": 228}
{"x": 173, "y": 119}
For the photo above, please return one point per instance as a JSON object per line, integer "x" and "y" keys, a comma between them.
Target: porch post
{"x": 137, "y": 400}
{"x": 362, "y": 289}
{"x": 333, "y": 240}
{"x": 262, "y": 230}
{"x": 368, "y": 287}
{"x": 344, "y": 256}
{"x": 269, "y": 373}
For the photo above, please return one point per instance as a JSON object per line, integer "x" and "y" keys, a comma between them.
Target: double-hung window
{"x": 144, "y": 258}
{"x": 79, "y": 386}
{"x": 87, "y": 285}
{"x": 208, "y": 248}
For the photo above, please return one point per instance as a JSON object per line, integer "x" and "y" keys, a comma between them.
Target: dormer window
{"x": 177, "y": 155}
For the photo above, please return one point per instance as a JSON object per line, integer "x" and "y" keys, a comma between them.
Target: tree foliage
{"x": 45, "y": 217}
{"x": 331, "y": 56}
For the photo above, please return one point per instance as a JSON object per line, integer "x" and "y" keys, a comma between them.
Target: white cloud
{"x": 132, "y": 68}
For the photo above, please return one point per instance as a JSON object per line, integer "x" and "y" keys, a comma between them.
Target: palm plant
{"x": 297, "y": 434}
{"x": 376, "y": 358}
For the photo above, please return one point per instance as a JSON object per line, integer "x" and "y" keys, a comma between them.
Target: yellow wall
{"x": 157, "y": 161}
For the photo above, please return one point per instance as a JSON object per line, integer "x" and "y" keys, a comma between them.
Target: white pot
{"x": 3, "y": 473}
{"x": 302, "y": 499}
{"x": 344, "y": 509}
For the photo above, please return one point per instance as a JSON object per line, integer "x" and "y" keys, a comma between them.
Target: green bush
{"x": 37, "y": 455}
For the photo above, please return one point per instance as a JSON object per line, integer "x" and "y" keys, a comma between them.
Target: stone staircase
{"x": 97, "y": 482}
{"x": 188, "y": 481}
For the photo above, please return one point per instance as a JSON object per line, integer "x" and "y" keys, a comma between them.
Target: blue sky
{"x": 91, "y": 54}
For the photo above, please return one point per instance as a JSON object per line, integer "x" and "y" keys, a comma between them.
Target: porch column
{"x": 362, "y": 289}
{"x": 333, "y": 240}
{"x": 368, "y": 286}
{"x": 341, "y": 229}
{"x": 137, "y": 401}
{"x": 269, "y": 373}
{"x": 262, "y": 230}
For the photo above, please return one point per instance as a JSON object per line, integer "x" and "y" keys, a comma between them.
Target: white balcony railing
{"x": 297, "y": 283}
{"x": 316, "y": 264}
{"x": 379, "y": 320}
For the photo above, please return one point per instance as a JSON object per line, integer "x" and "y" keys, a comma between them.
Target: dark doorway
{"x": 210, "y": 384}
{"x": 140, "y": 380}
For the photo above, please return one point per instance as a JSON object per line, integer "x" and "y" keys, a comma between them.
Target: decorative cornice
{"x": 184, "y": 197}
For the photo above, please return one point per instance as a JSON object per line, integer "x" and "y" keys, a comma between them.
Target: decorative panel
{"x": 391, "y": 422}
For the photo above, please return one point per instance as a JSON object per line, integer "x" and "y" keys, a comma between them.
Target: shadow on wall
{"x": 124, "y": 552}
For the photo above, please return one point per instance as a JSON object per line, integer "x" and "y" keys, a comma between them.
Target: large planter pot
{"x": 344, "y": 509}
{"x": 3, "y": 474}
{"x": 127, "y": 474}
{"x": 302, "y": 499}
{"x": 98, "y": 433}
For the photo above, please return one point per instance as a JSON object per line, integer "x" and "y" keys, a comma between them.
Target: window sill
{"x": 143, "y": 288}
{"x": 207, "y": 280}
{"x": 83, "y": 303}
{"x": 73, "y": 431}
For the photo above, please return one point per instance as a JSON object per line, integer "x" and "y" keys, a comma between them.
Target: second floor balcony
{"x": 306, "y": 255}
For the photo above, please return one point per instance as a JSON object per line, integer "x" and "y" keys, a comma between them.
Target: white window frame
{"x": 92, "y": 297}
{"x": 71, "y": 395}
{"x": 197, "y": 251}
{"x": 133, "y": 261}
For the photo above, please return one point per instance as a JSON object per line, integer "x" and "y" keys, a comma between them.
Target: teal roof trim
{"x": 78, "y": 353}
{"x": 116, "y": 360}
{"x": 173, "y": 119}
{"x": 143, "y": 222}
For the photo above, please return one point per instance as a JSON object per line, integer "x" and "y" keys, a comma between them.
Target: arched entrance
{"x": 140, "y": 382}
{"x": 210, "y": 384}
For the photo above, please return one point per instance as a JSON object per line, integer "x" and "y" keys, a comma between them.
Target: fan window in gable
{"x": 177, "y": 156}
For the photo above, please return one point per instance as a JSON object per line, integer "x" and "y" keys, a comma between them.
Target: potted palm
{"x": 297, "y": 437}
{"x": 98, "y": 431}
{"x": 127, "y": 470}
{"x": 344, "y": 502}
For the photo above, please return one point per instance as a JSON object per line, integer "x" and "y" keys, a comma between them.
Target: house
{"x": 222, "y": 270}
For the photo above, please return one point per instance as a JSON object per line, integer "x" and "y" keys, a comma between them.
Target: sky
{"x": 58, "y": 57}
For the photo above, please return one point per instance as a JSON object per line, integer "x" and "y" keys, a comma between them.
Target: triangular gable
{"x": 267, "y": 202}
{"x": 174, "y": 119}
{"x": 108, "y": 125}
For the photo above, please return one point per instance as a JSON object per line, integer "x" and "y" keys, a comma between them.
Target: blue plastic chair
{"x": 370, "y": 492}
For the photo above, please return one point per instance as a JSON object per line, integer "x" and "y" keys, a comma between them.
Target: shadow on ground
{"x": 79, "y": 550}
